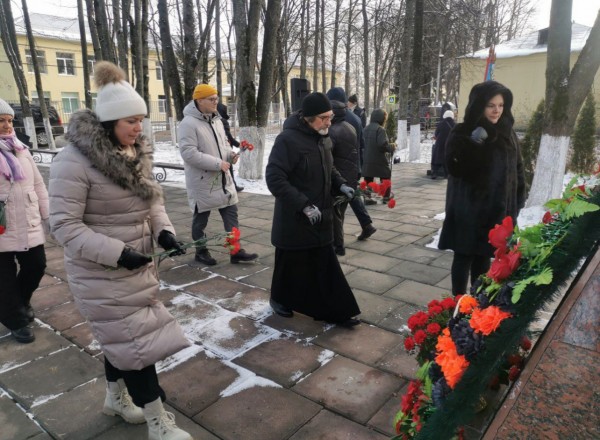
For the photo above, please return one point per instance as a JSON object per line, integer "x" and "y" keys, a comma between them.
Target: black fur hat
{"x": 480, "y": 95}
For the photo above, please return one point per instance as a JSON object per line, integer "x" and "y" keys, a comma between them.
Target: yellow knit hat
{"x": 204, "y": 91}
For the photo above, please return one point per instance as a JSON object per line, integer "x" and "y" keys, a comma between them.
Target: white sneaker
{"x": 118, "y": 403}
{"x": 161, "y": 424}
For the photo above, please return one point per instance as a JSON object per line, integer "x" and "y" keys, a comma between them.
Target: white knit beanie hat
{"x": 448, "y": 114}
{"x": 116, "y": 99}
{"x": 6, "y": 109}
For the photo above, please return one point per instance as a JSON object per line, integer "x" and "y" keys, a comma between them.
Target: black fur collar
{"x": 87, "y": 134}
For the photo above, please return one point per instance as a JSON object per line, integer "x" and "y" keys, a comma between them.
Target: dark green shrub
{"x": 583, "y": 141}
{"x": 530, "y": 145}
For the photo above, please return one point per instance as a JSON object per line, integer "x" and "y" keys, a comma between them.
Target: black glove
{"x": 131, "y": 259}
{"x": 479, "y": 135}
{"x": 167, "y": 241}
{"x": 313, "y": 214}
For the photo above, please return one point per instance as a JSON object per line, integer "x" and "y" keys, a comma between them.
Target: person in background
{"x": 25, "y": 200}
{"x": 486, "y": 181}
{"x": 377, "y": 163}
{"x": 357, "y": 203}
{"x": 207, "y": 158}
{"x": 438, "y": 155}
{"x": 222, "y": 109}
{"x": 358, "y": 111}
{"x": 307, "y": 276}
{"x": 106, "y": 210}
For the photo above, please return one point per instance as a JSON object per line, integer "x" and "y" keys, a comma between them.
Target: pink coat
{"x": 26, "y": 207}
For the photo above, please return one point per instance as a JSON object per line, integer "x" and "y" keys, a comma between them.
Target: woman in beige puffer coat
{"x": 22, "y": 237}
{"x": 105, "y": 209}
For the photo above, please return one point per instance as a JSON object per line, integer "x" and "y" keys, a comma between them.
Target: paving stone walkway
{"x": 250, "y": 374}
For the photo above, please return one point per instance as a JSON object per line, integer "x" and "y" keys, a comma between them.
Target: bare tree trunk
{"x": 218, "y": 59}
{"x": 322, "y": 42}
{"x": 315, "y": 64}
{"x": 204, "y": 46}
{"x": 137, "y": 52}
{"x": 84, "y": 56}
{"x": 415, "y": 78}
{"x": 8, "y": 34}
{"x": 366, "y": 72}
{"x": 282, "y": 37}
{"x": 93, "y": 27}
{"x": 304, "y": 27}
{"x": 267, "y": 65}
{"x": 336, "y": 32}
{"x": 403, "y": 68}
{"x": 565, "y": 92}
{"x": 170, "y": 62}
{"x": 189, "y": 59}
{"x": 349, "y": 44}
{"x": 105, "y": 40}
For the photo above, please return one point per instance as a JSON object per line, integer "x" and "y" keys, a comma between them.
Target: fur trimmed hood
{"x": 87, "y": 134}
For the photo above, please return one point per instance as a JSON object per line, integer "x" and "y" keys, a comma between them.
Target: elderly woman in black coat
{"x": 377, "y": 151}
{"x": 438, "y": 155}
{"x": 486, "y": 181}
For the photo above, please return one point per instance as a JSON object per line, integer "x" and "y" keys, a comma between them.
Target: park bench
{"x": 37, "y": 154}
{"x": 161, "y": 176}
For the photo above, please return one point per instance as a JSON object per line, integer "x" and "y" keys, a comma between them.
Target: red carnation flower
{"x": 419, "y": 319}
{"x": 504, "y": 265}
{"x": 392, "y": 203}
{"x": 409, "y": 343}
{"x": 2, "y": 229}
{"x": 363, "y": 184}
{"x": 434, "y": 328}
{"x": 514, "y": 359}
{"x": 547, "y": 218}
{"x": 514, "y": 373}
{"x": 526, "y": 343}
{"x": 435, "y": 310}
{"x": 448, "y": 303}
{"x": 581, "y": 188}
{"x": 420, "y": 337}
{"x": 499, "y": 236}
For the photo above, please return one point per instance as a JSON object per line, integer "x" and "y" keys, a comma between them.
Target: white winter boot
{"x": 161, "y": 424}
{"x": 118, "y": 403}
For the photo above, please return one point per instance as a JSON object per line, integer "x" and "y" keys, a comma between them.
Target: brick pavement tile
{"x": 300, "y": 326}
{"x": 261, "y": 279}
{"x": 383, "y": 421}
{"x": 349, "y": 388}
{"x": 81, "y": 335}
{"x": 363, "y": 343}
{"x": 48, "y": 280}
{"x": 346, "y": 268}
{"x": 396, "y": 321}
{"x": 54, "y": 253}
{"x": 216, "y": 288}
{"x": 415, "y": 293}
{"x": 370, "y": 247}
{"x": 46, "y": 377}
{"x": 237, "y": 271}
{"x": 373, "y": 261}
{"x": 197, "y": 383}
{"x": 183, "y": 275}
{"x": 371, "y": 281}
{"x": 76, "y": 413}
{"x": 170, "y": 263}
{"x": 13, "y": 353}
{"x": 414, "y": 253}
{"x": 399, "y": 362}
{"x": 258, "y": 413}
{"x": 61, "y": 317}
{"x": 446, "y": 283}
{"x": 284, "y": 361}
{"x": 414, "y": 229}
{"x": 166, "y": 295}
{"x": 329, "y": 426}
{"x": 15, "y": 423}
{"x": 50, "y": 296}
{"x": 403, "y": 239}
{"x": 253, "y": 304}
{"x": 444, "y": 261}
{"x": 255, "y": 222}
{"x": 381, "y": 236}
{"x": 374, "y": 307}
{"x": 419, "y": 272}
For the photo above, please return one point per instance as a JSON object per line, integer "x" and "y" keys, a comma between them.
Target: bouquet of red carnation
{"x": 426, "y": 327}
{"x": 377, "y": 190}
{"x": 245, "y": 145}
{"x": 512, "y": 366}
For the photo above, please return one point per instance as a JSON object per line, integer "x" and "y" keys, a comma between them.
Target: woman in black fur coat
{"x": 486, "y": 181}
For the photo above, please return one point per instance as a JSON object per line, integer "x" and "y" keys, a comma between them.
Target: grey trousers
{"x": 229, "y": 214}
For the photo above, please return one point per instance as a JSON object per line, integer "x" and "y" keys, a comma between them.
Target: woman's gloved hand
{"x": 131, "y": 259}
{"x": 167, "y": 241}
{"x": 313, "y": 214}
{"x": 479, "y": 135}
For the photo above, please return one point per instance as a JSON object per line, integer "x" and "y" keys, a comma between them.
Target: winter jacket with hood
{"x": 345, "y": 145}
{"x": 377, "y": 162}
{"x": 300, "y": 173}
{"x": 101, "y": 202}
{"x": 25, "y": 209}
{"x": 486, "y": 182}
{"x": 442, "y": 130}
{"x": 203, "y": 146}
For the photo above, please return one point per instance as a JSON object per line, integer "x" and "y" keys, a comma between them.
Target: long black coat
{"x": 486, "y": 182}
{"x": 442, "y": 130}
{"x": 300, "y": 173}
{"x": 377, "y": 147}
{"x": 345, "y": 145}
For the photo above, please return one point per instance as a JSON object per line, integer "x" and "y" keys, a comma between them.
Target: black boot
{"x": 242, "y": 256}
{"x": 24, "y": 335}
{"x": 239, "y": 188}
{"x": 280, "y": 309}
{"x": 367, "y": 232}
{"x": 204, "y": 257}
{"x": 29, "y": 312}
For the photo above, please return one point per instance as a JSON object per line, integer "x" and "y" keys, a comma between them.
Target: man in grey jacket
{"x": 207, "y": 157}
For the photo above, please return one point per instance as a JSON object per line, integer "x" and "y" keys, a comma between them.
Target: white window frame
{"x": 62, "y": 63}
{"x": 159, "y": 72}
{"x": 41, "y": 57}
{"x": 162, "y": 104}
{"x": 68, "y": 98}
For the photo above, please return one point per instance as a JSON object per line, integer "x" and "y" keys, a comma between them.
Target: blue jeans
{"x": 360, "y": 211}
